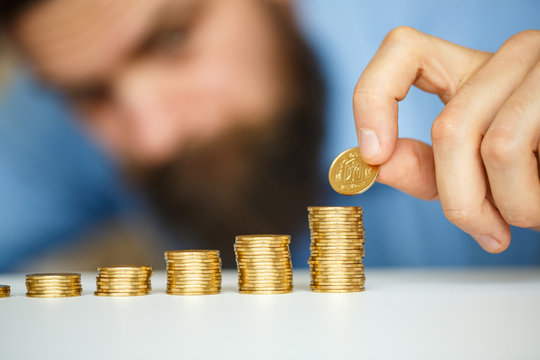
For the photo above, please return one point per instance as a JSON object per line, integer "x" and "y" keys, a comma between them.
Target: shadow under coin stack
{"x": 51, "y": 285}
{"x": 337, "y": 249}
{"x": 123, "y": 280}
{"x": 193, "y": 272}
{"x": 264, "y": 264}
{"x": 5, "y": 290}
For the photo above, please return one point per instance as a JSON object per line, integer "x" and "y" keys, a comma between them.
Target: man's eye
{"x": 169, "y": 40}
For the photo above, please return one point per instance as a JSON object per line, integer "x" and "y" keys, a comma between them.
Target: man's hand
{"x": 484, "y": 164}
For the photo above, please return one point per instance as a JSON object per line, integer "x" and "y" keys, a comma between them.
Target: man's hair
{"x": 10, "y": 10}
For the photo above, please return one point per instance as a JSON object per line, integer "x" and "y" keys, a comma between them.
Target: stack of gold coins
{"x": 193, "y": 272}
{"x": 5, "y": 290}
{"x": 337, "y": 249}
{"x": 53, "y": 285}
{"x": 264, "y": 264}
{"x": 123, "y": 280}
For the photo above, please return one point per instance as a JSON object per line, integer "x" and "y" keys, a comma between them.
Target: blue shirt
{"x": 56, "y": 184}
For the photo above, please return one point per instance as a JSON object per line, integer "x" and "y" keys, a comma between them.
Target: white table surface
{"x": 403, "y": 314}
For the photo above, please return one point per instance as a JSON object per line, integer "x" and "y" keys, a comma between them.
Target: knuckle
{"x": 459, "y": 216}
{"x": 499, "y": 147}
{"x": 526, "y": 35}
{"x": 363, "y": 95}
{"x": 446, "y": 130}
{"x": 401, "y": 34}
{"x": 526, "y": 38}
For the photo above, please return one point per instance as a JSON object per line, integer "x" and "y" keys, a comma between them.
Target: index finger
{"x": 406, "y": 57}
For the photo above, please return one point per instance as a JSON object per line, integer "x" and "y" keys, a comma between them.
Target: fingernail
{"x": 488, "y": 243}
{"x": 369, "y": 143}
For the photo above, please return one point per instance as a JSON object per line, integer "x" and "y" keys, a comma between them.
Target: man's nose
{"x": 151, "y": 127}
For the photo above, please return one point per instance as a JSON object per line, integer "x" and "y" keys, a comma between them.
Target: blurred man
{"x": 214, "y": 108}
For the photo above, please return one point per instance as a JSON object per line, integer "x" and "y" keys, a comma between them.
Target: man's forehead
{"x": 75, "y": 40}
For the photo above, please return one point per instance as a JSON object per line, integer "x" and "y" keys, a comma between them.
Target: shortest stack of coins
{"x": 5, "y": 290}
{"x": 53, "y": 285}
{"x": 337, "y": 249}
{"x": 123, "y": 280}
{"x": 193, "y": 272}
{"x": 264, "y": 264}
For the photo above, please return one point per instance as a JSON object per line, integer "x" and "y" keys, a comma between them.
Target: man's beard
{"x": 251, "y": 180}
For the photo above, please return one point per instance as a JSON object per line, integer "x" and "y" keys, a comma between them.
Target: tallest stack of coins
{"x": 337, "y": 249}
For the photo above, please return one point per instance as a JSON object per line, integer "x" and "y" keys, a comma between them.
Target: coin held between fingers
{"x": 349, "y": 174}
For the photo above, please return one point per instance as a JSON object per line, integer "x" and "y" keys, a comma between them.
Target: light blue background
{"x": 55, "y": 184}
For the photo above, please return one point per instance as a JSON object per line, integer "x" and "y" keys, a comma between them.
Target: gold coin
{"x": 53, "y": 280}
{"x": 187, "y": 268}
{"x": 334, "y": 258}
{"x": 216, "y": 282}
{"x": 53, "y": 288}
{"x": 256, "y": 247}
{"x": 265, "y": 292}
{"x": 194, "y": 274}
{"x": 262, "y": 285}
{"x": 194, "y": 288}
{"x": 337, "y": 252}
{"x": 193, "y": 260}
{"x": 189, "y": 292}
{"x": 120, "y": 294}
{"x": 275, "y": 276}
{"x": 263, "y": 263}
{"x": 53, "y": 275}
{"x": 257, "y": 262}
{"x": 332, "y": 277}
{"x": 333, "y": 214}
{"x": 266, "y": 276}
{"x": 264, "y": 254}
{"x": 198, "y": 287}
{"x": 338, "y": 278}
{"x": 197, "y": 252}
{"x": 349, "y": 174}
{"x": 53, "y": 295}
{"x": 123, "y": 288}
{"x": 192, "y": 291}
{"x": 337, "y": 290}
{"x": 267, "y": 251}
{"x": 192, "y": 280}
{"x": 263, "y": 236}
{"x": 106, "y": 274}
{"x": 125, "y": 269}
{"x": 335, "y": 208}
{"x": 199, "y": 282}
